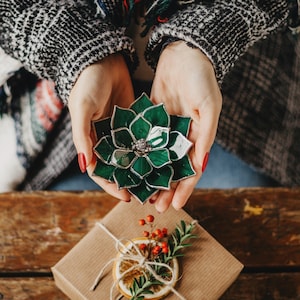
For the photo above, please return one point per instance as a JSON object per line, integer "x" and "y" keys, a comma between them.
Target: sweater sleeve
{"x": 56, "y": 40}
{"x": 223, "y": 30}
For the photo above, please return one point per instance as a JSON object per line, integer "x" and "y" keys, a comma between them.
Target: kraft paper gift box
{"x": 206, "y": 269}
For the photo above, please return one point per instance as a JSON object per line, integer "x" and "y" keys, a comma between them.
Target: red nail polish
{"x": 82, "y": 162}
{"x": 205, "y": 161}
{"x": 152, "y": 201}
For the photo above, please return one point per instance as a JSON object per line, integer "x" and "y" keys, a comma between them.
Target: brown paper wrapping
{"x": 206, "y": 270}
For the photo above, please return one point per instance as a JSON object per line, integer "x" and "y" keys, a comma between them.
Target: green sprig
{"x": 176, "y": 242}
{"x": 141, "y": 287}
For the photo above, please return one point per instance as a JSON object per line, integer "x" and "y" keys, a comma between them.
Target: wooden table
{"x": 261, "y": 227}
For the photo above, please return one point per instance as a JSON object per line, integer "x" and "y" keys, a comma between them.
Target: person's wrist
{"x": 184, "y": 47}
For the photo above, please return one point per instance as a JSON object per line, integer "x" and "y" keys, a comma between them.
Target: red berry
{"x": 157, "y": 231}
{"x": 153, "y": 235}
{"x": 146, "y": 233}
{"x": 142, "y": 246}
{"x": 142, "y": 222}
{"x": 161, "y": 235}
{"x": 156, "y": 250}
{"x": 165, "y": 250}
{"x": 164, "y": 244}
{"x": 165, "y": 231}
{"x": 150, "y": 218}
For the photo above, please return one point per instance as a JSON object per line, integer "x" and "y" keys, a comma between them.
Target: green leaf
{"x": 181, "y": 233}
{"x": 142, "y": 281}
{"x": 178, "y": 233}
{"x": 186, "y": 245}
{"x": 183, "y": 226}
{"x": 141, "y": 287}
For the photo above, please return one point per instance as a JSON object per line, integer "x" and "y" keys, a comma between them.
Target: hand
{"x": 185, "y": 82}
{"x": 98, "y": 88}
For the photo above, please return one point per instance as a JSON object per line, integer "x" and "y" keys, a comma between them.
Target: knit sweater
{"x": 256, "y": 62}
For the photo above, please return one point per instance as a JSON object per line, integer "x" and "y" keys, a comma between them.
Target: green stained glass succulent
{"x": 142, "y": 148}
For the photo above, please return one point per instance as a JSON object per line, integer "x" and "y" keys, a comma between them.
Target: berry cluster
{"x": 156, "y": 244}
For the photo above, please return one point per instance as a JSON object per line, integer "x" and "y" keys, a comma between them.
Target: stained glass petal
{"x": 178, "y": 145}
{"x": 157, "y": 115}
{"x": 143, "y": 192}
{"x": 122, "y": 138}
{"x": 102, "y": 128}
{"x": 159, "y": 157}
{"x": 122, "y": 158}
{"x": 140, "y": 104}
{"x": 141, "y": 167}
{"x": 181, "y": 124}
{"x": 105, "y": 171}
{"x": 140, "y": 128}
{"x": 183, "y": 169}
{"x": 104, "y": 148}
{"x": 158, "y": 137}
{"x": 121, "y": 117}
{"x": 160, "y": 178}
{"x": 125, "y": 178}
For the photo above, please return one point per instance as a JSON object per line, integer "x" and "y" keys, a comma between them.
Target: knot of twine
{"x": 133, "y": 253}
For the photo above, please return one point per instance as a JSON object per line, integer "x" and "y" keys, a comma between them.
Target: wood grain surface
{"x": 261, "y": 227}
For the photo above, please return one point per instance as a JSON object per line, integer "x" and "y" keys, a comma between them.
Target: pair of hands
{"x": 184, "y": 81}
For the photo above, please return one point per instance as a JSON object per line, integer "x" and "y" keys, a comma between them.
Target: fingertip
{"x": 183, "y": 192}
{"x": 176, "y": 206}
{"x": 160, "y": 207}
{"x": 127, "y": 200}
{"x": 164, "y": 200}
{"x": 153, "y": 198}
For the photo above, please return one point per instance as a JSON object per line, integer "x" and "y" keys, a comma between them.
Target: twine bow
{"x": 133, "y": 253}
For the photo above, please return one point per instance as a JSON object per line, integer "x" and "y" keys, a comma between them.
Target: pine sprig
{"x": 141, "y": 287}
{"x": 176, "y": 241}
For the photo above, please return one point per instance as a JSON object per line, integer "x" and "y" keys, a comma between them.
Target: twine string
{"x": 133, "y": 253}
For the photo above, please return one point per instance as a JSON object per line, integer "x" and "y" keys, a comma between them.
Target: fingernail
{"x": 152, "y": 201}
{"x": 205, "y": 161}
{"x": 82, "y": 162}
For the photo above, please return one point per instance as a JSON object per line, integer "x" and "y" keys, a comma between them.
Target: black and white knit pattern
{"x": 56, "y": 40}
{"x": 256, "y": 63}
{"x": 223, "y": 31}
